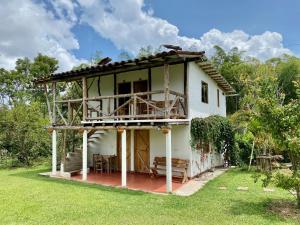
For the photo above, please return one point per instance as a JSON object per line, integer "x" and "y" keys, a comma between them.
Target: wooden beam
{"x": 149, "y": 79}
{"x": 54, "y": 103}
{"x": 48, "y": 102}
{"x": 70, "y": 113}
{"x": 115, "y": 90}
{"x": 166, "y": 88}
{"x": 186, "y": 87}
{"x": 84, "y": 98}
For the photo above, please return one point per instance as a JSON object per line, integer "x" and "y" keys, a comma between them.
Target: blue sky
{"x": 73, "y": 31}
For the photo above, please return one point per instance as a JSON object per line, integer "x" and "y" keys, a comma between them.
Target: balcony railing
{"x": 136, "y": 106}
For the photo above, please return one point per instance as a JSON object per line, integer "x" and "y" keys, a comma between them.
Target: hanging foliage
{"x": 216, "y": 130}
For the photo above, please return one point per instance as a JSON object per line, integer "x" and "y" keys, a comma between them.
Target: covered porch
{"x": 133, "y": 160}
{"x": 135, "y": 181}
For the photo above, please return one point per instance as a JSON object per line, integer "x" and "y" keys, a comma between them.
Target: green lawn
{"x": 26, "y": 198}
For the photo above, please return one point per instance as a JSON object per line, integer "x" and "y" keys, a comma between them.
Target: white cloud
{"x": 27, "y": 28}
{"x": 129, "y": 26}
{"x": 65, "y": 9}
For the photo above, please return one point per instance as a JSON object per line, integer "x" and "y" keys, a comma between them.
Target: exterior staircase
{"x": 73, "y": 162}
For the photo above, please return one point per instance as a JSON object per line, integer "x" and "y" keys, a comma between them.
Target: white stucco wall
{"x": 196, "y": 107}
{"x": 105, "y": 145}
{"x": 176, "y": 80}
{"x": 157, "y": 83}
{"x": 106, "y": 89}
{"x": 180, "y": 144}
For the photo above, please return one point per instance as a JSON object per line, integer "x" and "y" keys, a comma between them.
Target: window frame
{"x": 204, "y": 96}
{"x": 218, "y": 97}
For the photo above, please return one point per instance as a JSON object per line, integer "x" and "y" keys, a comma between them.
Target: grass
{"x": 26, "y": 198}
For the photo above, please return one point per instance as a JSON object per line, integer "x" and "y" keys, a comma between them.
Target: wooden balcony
{"x": 137, "y": 106}
{"x": 153, "y": 105}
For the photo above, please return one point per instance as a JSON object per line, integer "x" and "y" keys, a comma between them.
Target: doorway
{"x": 124, "y": 88}
{"x": 141, "y": 86}
{"x": 142, "y": 151}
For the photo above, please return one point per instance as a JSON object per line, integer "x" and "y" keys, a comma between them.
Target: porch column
{"x": 167, "y": 133}
{"x": 84, "y": 156}
{"x": 54, "y": 157}
{"x": 124, "y": 160}
{"x": 132, "y": 150}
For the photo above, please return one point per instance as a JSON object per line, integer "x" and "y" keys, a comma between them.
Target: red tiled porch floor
{"x": 135, "y": 181}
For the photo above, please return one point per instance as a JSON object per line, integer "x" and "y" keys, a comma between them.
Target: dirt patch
{"x": 286, "y": 209}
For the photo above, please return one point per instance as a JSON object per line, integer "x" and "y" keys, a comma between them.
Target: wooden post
{"x": 132, "y": 150}
{"x": 186, "y": 88}
{"x": 48, "y": 102}
{"x": 54, "y": 103}
{"x": 63, "y": 152}
{"x": 134, "y": 105}
{"x": 84, "y": 155}
{"x": 251, "y": 155}
{"x": 166, "y": 89}
{"x": 84, "y": 97}
{"x": 124, "y": 158}
{"x": 167, "y": 133}
{"x": 70, "y": 113}
{"x": 54, "y": 157}
{"x": 115, "y": 90}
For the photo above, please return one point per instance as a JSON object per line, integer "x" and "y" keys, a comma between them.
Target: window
{"x": 218, "y": 97}
{"x": 204, "y": 92}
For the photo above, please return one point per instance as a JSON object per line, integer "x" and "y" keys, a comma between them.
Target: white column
{"x": 54, "y": 157}
{"x": 168, "y": 161}
{"x": 132, "y": 150}
{"x": 84, "y": 156}
{"x": 124, "y": 166}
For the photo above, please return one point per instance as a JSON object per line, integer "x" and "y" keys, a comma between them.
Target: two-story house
{"x": 138, "y": 110}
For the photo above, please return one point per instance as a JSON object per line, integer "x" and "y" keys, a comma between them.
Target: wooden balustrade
{"x": 142, "y": 105}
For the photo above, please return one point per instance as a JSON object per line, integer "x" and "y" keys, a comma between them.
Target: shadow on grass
{"x": 250, "y": 208}
{"x": 34, "y": 175}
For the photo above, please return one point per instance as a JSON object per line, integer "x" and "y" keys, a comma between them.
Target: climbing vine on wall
{"x": 216, "y": 130}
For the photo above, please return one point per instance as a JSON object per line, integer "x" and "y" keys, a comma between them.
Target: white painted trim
{"x": 124, "y": 158}
{"x": 54, "y": 149}
{"x": 84, "y": 155}
{"x": 132, "y": 150}
{"x": 168, "y": 161}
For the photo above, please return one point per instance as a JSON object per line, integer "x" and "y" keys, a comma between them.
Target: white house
{"x": 138, "y": 110}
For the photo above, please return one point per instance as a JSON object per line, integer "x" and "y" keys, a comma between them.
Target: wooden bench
{"x": 179, "y": 167}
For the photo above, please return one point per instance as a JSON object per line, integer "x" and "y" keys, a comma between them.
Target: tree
{"x": 16, "y": 85}
{"x": 283, "y": 123}
{"x": 23, "y": 132}
{"x": 288, "y": 70}
{"x": 124, "y": 56}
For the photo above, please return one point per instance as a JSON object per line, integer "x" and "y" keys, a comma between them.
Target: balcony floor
{"x": 135, "y": 181}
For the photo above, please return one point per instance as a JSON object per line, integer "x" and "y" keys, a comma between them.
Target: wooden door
{"x": 141, "y": 86}
{"x": 142, "y": 151}
{"x": 124, "y": 88}
{"x": 119, "y": 150}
